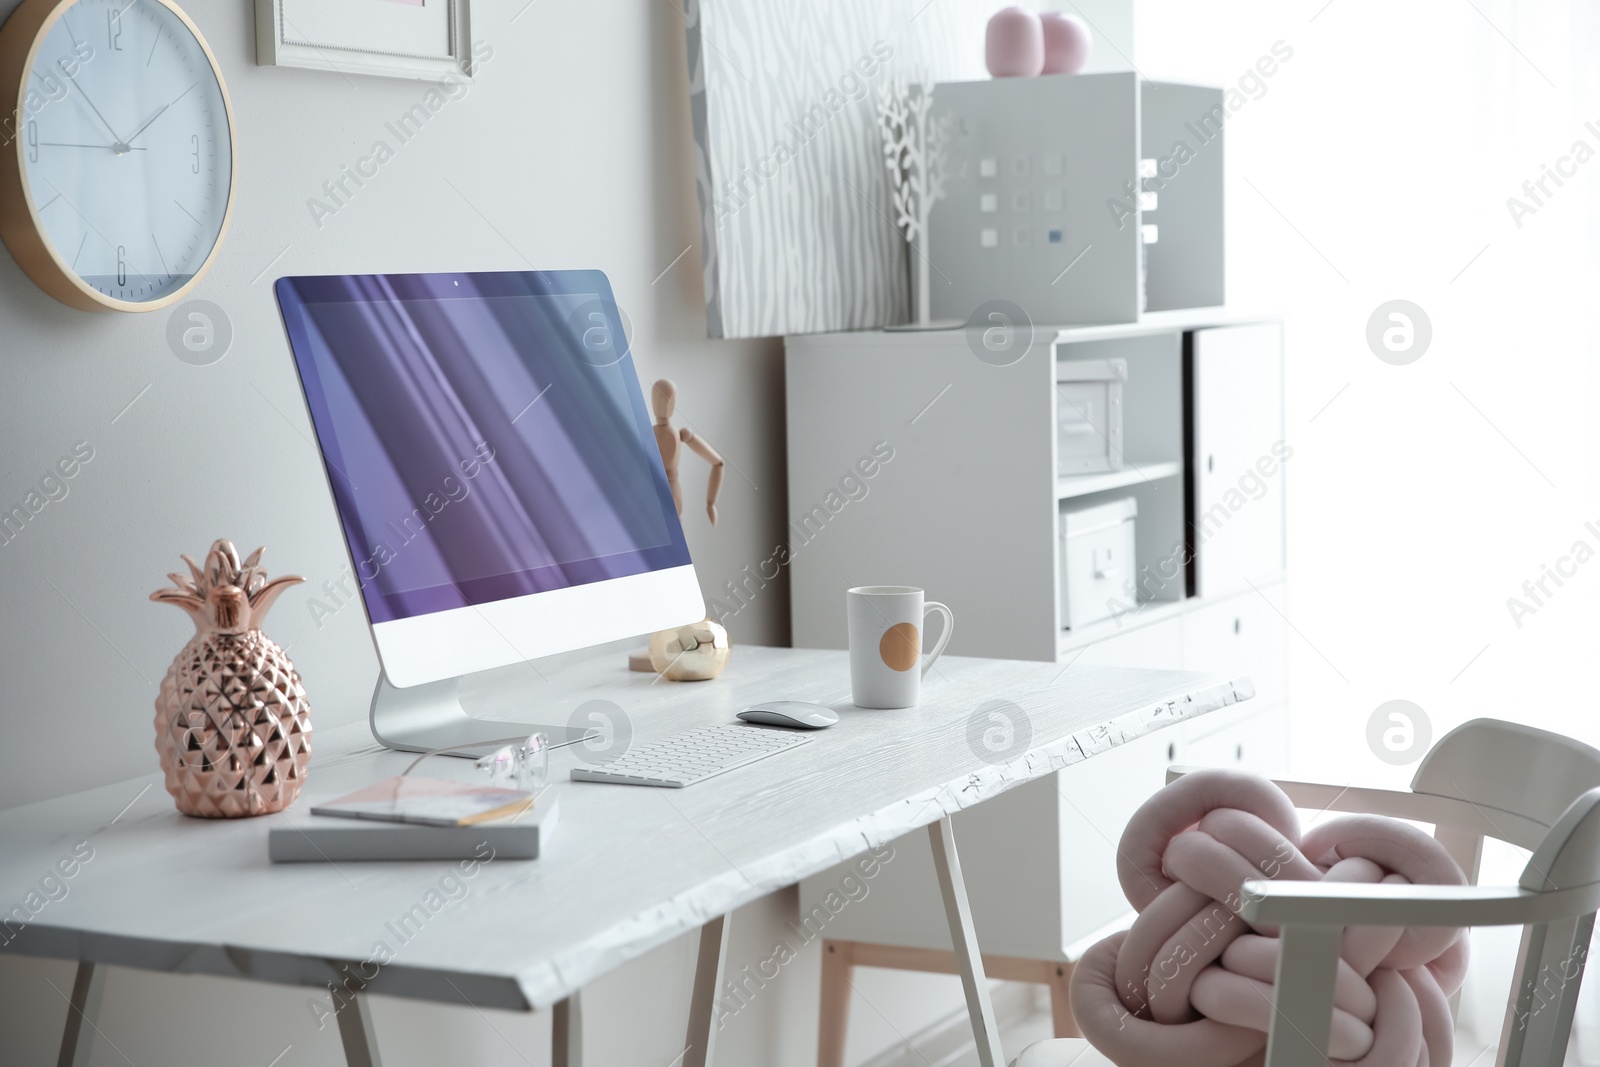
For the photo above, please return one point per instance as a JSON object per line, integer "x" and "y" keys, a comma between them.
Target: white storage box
{"x": 1096, "y": 561}
{"x": 1089, "y": 415}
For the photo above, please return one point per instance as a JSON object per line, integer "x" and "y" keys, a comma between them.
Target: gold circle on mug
{"x": 901, "y": 646}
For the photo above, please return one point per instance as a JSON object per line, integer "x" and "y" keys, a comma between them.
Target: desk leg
{"x": 700, "y": 1039}
{"x": 358, "y": 1034}
{"x": 968, "y": 961}
{"x": 833, "y": 1017}
{"x": 566, "y": 1032}
{"x": 87, "y": 989}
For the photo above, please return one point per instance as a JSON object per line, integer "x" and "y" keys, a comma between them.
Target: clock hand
{"x": 69, "y": 144}
{"x": 158, "y": 114}
{"x": 96, "y": 110}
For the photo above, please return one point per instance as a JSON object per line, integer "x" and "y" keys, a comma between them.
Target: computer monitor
{"x": 495, "y": 473}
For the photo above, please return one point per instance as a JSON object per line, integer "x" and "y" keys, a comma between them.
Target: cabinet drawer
{"x": 1258, "y": 743}
{"x": 1159, "y": 646}
{"x": 1243, "y": 635}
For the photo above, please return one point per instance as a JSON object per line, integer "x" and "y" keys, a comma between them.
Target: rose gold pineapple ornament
{"x": 233, "y": 727}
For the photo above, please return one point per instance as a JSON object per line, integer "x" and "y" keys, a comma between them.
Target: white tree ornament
{"x": 918, "y": 149}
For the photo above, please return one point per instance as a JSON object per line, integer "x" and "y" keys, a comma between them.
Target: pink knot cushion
{"x": 1191, "y": 983}
{"x": 1066, "y": 42}
{"x": 1014, "y": 44}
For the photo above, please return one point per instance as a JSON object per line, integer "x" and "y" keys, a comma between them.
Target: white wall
{"x": 1376, "y": 164}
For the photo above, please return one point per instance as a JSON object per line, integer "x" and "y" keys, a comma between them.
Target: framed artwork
{"x": 795, "y": 205}
{"x": 425, "y": 39}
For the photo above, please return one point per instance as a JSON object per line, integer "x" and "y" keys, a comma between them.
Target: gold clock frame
{"x": 20, "y": 226}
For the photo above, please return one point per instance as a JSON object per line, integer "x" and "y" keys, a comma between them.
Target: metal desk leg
{"x": 700, "y": 1040}
{"x": 566, "y": 1032}
{"x": 359, "y": 1036}
{"x": 968, "y": 961}
{"x": 87, "y": 989}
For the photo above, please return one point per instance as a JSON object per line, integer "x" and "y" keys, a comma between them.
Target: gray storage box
{"x": 1097, "y": 547}
{"x": 1089, "y": 415}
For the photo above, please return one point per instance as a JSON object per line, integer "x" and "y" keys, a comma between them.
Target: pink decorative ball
{"x": 1066, "y": 42}
{"x": 1014, "y": 47}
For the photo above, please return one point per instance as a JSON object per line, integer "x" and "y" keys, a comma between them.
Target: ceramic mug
{"x": 886, "y": 644}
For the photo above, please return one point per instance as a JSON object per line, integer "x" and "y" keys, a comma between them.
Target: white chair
{"x": 1536, "y": 790}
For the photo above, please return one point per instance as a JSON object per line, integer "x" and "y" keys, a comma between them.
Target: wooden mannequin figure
{"x": 699, "y": 651}
{"x": 664, "y": 401}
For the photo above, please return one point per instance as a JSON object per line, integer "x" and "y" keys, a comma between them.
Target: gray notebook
{"x": 325, "y": 838}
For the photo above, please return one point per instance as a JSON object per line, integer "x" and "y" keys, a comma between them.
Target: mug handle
{"x": 944, "y": 634}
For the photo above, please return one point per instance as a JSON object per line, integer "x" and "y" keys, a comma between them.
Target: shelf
{"x": 1071, "y": 642}
{"x": 1148, "y": 613}
{"x": 1083, "y": 484}
{"x": 1044, "y": 334}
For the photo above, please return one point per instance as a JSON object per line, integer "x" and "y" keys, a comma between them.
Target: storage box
{"x": 1063, "y": 185}
{"x": 1089, "y": 415}
{"x": 1025, "y": 217}
{"x": 1096, "y": 561}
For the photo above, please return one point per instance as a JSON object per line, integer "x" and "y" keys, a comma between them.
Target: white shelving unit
{"x": 970, "y": 508}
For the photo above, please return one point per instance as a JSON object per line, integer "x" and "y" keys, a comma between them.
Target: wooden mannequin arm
{"x": 700, "y": 447}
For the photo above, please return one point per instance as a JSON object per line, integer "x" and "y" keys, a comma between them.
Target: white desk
{"x": 628, "y": 869}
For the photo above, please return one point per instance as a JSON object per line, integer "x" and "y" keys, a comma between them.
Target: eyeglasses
{"x": 524, "y": 765}
{"x": 520, "y": 763}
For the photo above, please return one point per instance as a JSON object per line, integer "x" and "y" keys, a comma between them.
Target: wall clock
{"x": 116, "y": 151}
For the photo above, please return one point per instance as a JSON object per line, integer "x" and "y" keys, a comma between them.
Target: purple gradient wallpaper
{"x": 485, "y": 435}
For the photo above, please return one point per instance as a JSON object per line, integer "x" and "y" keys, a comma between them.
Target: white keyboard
{"x": 692, "y": 756}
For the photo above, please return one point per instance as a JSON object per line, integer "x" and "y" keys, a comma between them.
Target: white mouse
{"x": 796, "y": 713}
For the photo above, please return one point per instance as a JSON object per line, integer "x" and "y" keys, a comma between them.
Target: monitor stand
{"x": 429, "y": 718}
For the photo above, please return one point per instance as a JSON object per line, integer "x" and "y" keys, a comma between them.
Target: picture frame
{"x": 427, "y": 40}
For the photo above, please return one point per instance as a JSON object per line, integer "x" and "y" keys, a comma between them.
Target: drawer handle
{"x": 1236, "y": 625}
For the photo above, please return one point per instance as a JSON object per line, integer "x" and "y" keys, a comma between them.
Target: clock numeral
{"x": 33, "y": 141}
{"x": 114, "y": 29}
{"x": 122, "y": 266}
{"x": 194, "y": 150}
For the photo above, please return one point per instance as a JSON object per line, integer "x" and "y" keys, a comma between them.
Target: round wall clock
{"x": 116, "y": 151}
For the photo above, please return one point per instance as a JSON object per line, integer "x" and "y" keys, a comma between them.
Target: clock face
{"x": 127, "y": 148}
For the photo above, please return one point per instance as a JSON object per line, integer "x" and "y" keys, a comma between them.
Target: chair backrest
{"x": 1549, "y": 781}
{"x": 1505, "y": 767}
{"x": 1559, "y": 894}
{"x": 1509, "y": 767}
{"x": 1550, "y": 962}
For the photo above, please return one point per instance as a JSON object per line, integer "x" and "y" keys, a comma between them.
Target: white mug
{"x": 886, "y": 644}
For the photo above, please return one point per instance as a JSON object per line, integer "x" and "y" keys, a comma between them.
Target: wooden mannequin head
{"x": 664, "y": 399}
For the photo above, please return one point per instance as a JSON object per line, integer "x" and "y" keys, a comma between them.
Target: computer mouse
{"x": 796, "y": 713}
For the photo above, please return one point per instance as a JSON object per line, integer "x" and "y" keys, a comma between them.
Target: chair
{"x": 1486, "y": 779}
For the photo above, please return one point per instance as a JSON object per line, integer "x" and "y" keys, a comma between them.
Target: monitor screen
{"x": 484, "y": 435}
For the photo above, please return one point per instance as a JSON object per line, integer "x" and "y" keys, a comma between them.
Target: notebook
{"x": 319, "y": 839}
{"x": 427, "y": 801}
